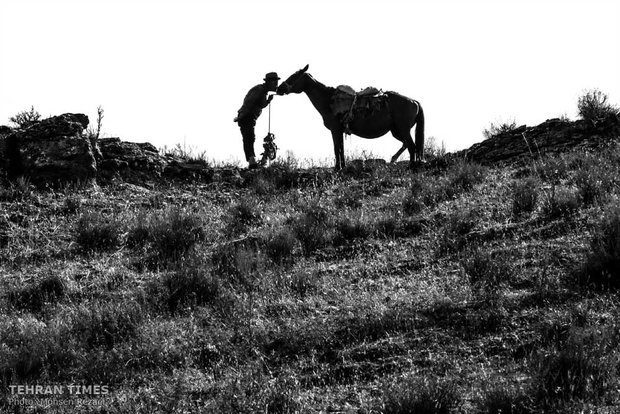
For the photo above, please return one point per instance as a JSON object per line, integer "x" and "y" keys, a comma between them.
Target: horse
{"x": 398, "y": 117}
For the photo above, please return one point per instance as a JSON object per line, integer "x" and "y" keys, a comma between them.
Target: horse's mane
{"x": 331, "y": 90}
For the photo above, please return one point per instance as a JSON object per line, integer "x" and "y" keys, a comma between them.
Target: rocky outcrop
{"x": 55, "y": 150}
{"x": 129, "y": 159}
{"x": 51, "y": 151}
{"x": 137, "y": 162}
{"x": 550, "y": 137}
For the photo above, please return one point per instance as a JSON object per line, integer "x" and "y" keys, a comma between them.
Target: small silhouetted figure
{"x": 256, "y": 99}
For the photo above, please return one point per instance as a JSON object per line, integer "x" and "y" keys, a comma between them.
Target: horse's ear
{"x": 305, "y": 68}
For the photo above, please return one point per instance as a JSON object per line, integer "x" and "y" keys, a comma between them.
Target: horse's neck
{"x": 319, "y": 95}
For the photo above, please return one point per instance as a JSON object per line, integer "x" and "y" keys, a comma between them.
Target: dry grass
{"x": 373, "y": 290}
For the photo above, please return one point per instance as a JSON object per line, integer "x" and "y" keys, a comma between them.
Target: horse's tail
{"x": 419, "y": 133}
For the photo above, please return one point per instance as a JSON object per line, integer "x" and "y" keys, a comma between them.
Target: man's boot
{"x": 253, "y": 163}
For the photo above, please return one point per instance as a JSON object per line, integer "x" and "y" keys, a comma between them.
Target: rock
{"x": 552, "y": 136}
{"x": 51, "y": 151}
{"x": 130, "y": 160}
{"x": 140, "y": 162}
{"x": 181, "y": 169}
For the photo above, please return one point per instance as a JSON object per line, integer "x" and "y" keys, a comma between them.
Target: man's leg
{"x": 247, "y": 132}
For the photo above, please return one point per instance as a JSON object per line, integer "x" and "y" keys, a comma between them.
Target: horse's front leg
{"x": 338, "y": 138}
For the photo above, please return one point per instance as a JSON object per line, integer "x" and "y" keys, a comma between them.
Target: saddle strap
{"x": 349, "y": 116}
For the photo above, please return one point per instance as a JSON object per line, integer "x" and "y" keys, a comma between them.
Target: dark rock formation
{"x": 137, "y": 162}
{"x": 129, "y": 160}
{"x": 550, "y": 137}
{"x": 51, "y": 151}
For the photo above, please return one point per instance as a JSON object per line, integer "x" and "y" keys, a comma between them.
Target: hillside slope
{"x": 463, "y": 288}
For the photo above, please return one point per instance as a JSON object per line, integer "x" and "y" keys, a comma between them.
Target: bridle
{"x": 288, "y": 85}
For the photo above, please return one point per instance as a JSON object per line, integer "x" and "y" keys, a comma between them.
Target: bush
{"x": 33, "y": 298}
{"x": 348, "y": 229}
{"x": 350, "y": 196}
{"x": 304, "y": 282}
{"x": 496, "y": 129}
{"x": 281, "y": 246}
{"x": 487, "y": 274}
{"x": 311, "y": 228}
{"x": 602, "y": 268}
{"x": 31, "y": 349}
{"x": 457, "y": 226}
{"x": 193, "y": 284}
{"x": 585, "y": 368}
{"x": 105, "y": 324}
{"x": 168, "y": 236}
{"x": 422, "y": 397}
{"x": 19, "y": 190}
{"x": 560, "y": 202}
{"x": 502, "y": 399}
{"x": 24, "y": 119}
{"x": 554, "y": 169}
{"x": 464, "y": 175}
{"x": 595, "y": 180}
{"x": 96, "y": 232}
{"x": 593, "y": 106}
{"x": 524, "y": 196}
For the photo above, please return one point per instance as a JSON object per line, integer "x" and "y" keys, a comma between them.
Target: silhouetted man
{"x": 256, "y": 99}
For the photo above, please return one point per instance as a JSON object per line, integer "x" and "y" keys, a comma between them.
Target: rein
{"x": 269, "y": 145}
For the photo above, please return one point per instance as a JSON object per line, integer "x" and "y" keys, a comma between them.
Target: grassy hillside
{"x": 460, "y": 289}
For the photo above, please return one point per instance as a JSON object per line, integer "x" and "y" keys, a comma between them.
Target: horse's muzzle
{"x": 283, "y": 89}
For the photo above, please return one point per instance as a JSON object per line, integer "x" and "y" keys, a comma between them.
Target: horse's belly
{"x": 371, "y": 127}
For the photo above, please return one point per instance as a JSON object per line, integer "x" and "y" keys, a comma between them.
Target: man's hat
{"x": 271, "y": 76}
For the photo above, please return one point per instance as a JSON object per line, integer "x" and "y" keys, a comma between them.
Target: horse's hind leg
{"x": 407, "y": 140}
{"x": 398, "y": 153}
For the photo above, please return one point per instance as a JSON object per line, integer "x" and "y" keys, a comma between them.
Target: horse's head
{"x": 294, "y": 83}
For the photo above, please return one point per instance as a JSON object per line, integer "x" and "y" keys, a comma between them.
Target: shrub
{"x": 422, "y": 397}
{"x": 348, "y": 229}
{"x": 168, "y": 236}
{"x": 30, "y": 349}
{"x": 595, "y": 180}
{"x": 464, "y": 175}
{"x": 593, "y": 106}
{"x": 24, "y": 119}
{"x": 245, "y": 213}
{"x": 311, "y": 228}
{"x": 496, "y": 129}
{"x": 193, "y": 284}
{"x": 304, "y": 282}
{"x": 434, "y": 149}
{"x": 453, "y": 236}
{"x": 242, "y": 215}
{"x": 96, "y": 232}
{"x": 413, "y": 202}
{"x": 585, "y": 368}
{"x": 19, "y": 190}
{"x": 487, "y": 274}
{"x": 602, "y": 267}
{"x": 553, "y": 169}
{"x": 350, "y": 196}
{"x": 105, "y": 324}
{"x": 48, "y": 290}
{"x": 524, "y": 196}
{"x": 280, "y": 247}
{"x": 501, "y": 399}
{"x": 560, "y": 202}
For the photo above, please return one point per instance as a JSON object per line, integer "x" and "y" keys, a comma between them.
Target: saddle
{"x": 347, "y": 104}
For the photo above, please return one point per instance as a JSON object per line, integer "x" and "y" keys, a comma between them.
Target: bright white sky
{"x": 176, "y": 71}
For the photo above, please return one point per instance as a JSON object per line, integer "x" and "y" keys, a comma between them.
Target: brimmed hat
{"x": 271, "y": 76}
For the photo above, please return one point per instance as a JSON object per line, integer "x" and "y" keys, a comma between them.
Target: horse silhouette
{"x": 398, "y": 115}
